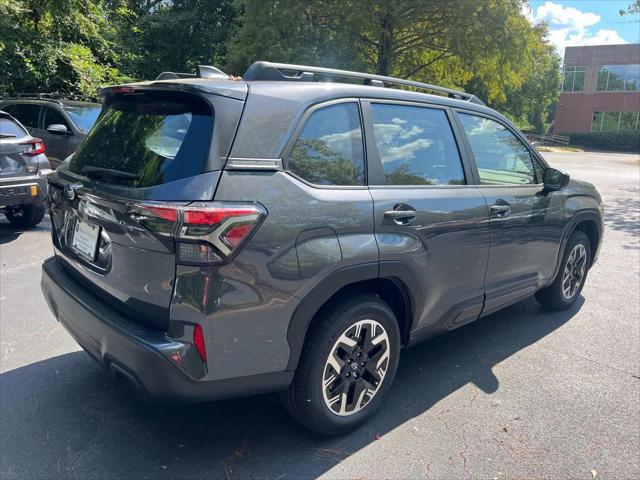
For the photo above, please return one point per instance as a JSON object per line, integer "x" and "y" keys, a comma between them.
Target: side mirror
{"x": 555, "y": 179}
{"x": 57, "y": 129}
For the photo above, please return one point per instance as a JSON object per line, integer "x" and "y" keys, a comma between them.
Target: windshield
{"x": 158, "y": 138}
{"x": 83, "y": 116}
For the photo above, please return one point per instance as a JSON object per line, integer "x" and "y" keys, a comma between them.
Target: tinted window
{"x": 159, "y": 139}
{"x": 9, "y": 128}
{"x": 618, "y": 78}
{"x": 52, "y": 117}
{"x": 573, "y": 79}
{"x": 26, "y": 114}
{"x": 83, "y": 116}
{"x": 329, "y": 150}
{"x": 416, "y": 146}
{"x": 500, "y": 156}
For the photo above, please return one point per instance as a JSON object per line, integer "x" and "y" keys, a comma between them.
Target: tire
{"x": 571, "y": 277}
{"x": 26, "y": 216}
{"x": 311, "y": 397}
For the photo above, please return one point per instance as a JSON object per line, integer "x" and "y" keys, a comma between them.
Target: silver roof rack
{"x": 203, "y": 71}
{"x": 53, "y": 97}
{"x": 305, "y": 73}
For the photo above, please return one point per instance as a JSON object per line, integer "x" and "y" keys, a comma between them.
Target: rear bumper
{"x": 147, "y": 358}
{"x": 22, "y": 190}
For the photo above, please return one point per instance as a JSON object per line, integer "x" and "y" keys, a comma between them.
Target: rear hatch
{"x": 18, "y": 149}
{"x": 116, "y": 204}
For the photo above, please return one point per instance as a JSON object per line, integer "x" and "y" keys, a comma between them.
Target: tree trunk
{"x": 385, "y": 44}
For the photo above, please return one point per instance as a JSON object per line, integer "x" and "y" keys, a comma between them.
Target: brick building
{"x": 600, "y": 89}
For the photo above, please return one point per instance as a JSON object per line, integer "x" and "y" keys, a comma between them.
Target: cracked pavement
{"x": 523, "y": 393}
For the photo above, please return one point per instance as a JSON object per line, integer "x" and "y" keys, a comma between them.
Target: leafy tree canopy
{"x": 487, "y": 48}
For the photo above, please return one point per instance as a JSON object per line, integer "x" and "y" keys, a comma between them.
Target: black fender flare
{"x": 576, "y": 219}
{"x": 396, "y": 272}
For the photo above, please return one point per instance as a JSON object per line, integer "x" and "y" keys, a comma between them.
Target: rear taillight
{"x": 206, "y": 233}
{"x": 36, "y": 146}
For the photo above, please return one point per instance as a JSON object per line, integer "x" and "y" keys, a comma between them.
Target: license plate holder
{"x": 85, "y": 239}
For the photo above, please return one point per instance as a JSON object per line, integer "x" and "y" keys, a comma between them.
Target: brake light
{"x": 36, "y": 146}
{"x": 206, "y": 233}
{"x": 122, "y": 90}
{"x": 198, "y": 341}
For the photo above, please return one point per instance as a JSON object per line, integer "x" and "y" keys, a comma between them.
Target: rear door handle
{"x": 500, "y": 211}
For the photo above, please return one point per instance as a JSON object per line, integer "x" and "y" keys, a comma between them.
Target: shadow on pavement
{"x": 623, "y": 214}
{"x": 63, "y": 417}
{"x": 8, "y": 233}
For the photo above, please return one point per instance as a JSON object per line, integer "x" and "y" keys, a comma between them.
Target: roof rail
{"x": 203, "y": 71}
{"x": 54, "y": 97}
{"x": 304, "y": 73}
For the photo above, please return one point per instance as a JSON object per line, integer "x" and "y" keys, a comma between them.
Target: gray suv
{"x": 61, "y": 123}
{"x": 217, "y": 237}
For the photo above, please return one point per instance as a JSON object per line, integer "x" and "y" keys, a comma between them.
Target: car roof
{"x": 305, "y": 92}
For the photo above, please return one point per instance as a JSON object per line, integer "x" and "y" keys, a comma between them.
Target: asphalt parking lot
{"x": 523, "y": 393}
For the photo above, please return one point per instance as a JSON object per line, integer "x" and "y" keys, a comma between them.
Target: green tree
{"x": 488, "y": 48}
{"x": 176, "y": 35}
{"x": 57, "y": 45}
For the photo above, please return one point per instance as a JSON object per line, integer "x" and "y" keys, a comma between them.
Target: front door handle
{"x": 500, "y": 211}
{"x": 401, "y": 215}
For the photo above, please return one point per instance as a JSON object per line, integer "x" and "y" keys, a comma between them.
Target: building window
{"x": 609, "y": 121}
{"x": 618, "y": 78}
{"x": 573, "y": 79}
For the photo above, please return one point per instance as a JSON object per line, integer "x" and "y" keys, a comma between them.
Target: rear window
{"x": 157, "y": 138}
{"x": 10, "y": 129}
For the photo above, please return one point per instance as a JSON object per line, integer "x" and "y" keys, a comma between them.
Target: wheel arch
{"x": 590, "y": 222}
{"x": 397, "y": 290}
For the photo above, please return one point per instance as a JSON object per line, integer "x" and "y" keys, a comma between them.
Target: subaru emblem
{"x": 70, "y": 190}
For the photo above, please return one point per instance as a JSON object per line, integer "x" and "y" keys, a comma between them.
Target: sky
{"x": 585, "y": 22}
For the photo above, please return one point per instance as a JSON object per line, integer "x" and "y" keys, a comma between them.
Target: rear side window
{"x": 501, "y": 158}
{"x": 158, "y": 138}
{"x": 27, "y": 114}
{"x": 416, "y": 146}
{"x": 53, "y": 117}
{"x": 10, "y": 129}
{"x": 329, "y": 150}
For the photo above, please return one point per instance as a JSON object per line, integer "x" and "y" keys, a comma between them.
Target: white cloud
{"x": 569, "y": 26}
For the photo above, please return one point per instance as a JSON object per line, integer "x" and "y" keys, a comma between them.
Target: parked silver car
{"x": 61, "y": 123}
{"x": 23, "y": 167}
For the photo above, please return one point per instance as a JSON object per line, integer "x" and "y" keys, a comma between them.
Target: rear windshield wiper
{"x": 91, "y": 171}
{"x": 7, "y": 135}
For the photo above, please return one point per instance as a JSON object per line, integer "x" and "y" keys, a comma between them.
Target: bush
{"x": 621, "y": 141}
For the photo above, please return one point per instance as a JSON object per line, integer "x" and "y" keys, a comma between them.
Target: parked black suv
{"x": 23, "y": 166}
{"x": 62, "y": 123}
{"x": 217, "y": 238}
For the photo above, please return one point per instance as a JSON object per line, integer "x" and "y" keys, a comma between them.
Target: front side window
{"x": 501, "y": 158}
{"x": 610, "y": 121}
{"x": 157, "y": 138}
{"x": 573, "y": 79}
{"x": 416, "y": 146}
{"x": 329, "y": 150}
{"x": 618, "y": 78}
{"x": 83, "y": 116}
{"x": 27, "y": 114}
